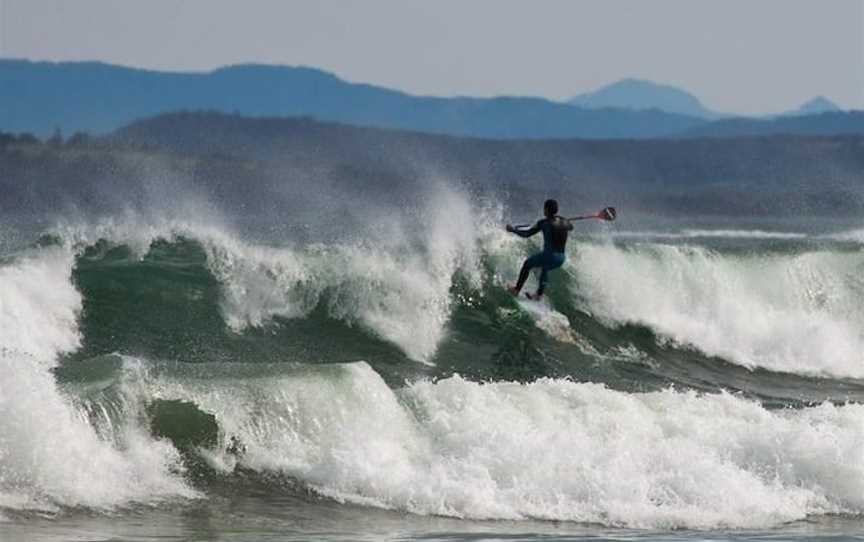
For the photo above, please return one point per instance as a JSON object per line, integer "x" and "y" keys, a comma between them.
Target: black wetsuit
{"x": 555, "y": 232}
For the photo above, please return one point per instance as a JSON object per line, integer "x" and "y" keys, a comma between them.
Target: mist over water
{"x": 690, "y": 378}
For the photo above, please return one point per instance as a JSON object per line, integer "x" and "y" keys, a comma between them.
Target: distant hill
{"x": 711, "y": 175}
{"x": 830, "y": 123}
{"x": 40, "y": 97}
{"x": 638, "y": 95}
{"x": 817, "y": 105}
{"x": 280, "y": 167}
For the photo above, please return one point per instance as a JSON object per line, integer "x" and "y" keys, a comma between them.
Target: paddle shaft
{"x": 608, "y": 213}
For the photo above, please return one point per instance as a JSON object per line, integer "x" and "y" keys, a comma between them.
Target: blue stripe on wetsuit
{"x": 552, "y": 257}
{"x": 547, "y": 261}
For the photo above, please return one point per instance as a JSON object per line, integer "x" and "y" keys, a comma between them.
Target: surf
{"x": 98, "y": 468}
{"x": 392, "y": 369}
{"x": 552, "y": 449}
{"x": 798, "y": 313}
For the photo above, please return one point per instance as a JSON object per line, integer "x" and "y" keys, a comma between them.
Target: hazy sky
{"x": 747, "y": 56}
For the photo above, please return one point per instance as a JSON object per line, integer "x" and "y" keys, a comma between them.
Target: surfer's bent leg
{"x": 532, "y": 262}
{"x": 544, "y": 277}
{"x": 551, "y": 260}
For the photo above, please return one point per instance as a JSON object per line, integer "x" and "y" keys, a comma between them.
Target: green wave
{"x": 166, "y": 306}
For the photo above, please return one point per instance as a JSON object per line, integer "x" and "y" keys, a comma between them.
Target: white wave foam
{"x": 553, "y": 449}
{"x": 793, "y": 313}
{"x": 135, "y": 232}
{"x": 552, "y": 322}
{"x": 854, "y": 236}
{"x": 49, "y": 454}
{"x": 395, "y": 285}
{"x": 743, "y": 234}
{"x": 395, "y": 280}
{"x": 710, "y": 233}
{"x": 39, "y": 305}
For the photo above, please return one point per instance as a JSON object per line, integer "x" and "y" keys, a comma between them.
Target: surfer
{"x": 555, "y": 229}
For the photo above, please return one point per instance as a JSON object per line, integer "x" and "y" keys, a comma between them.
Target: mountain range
{"x": 43, "y": 97}
{"x": 639, "y": 94}
{"x": 817, "y": 105}
{"x": 636, "y": 94}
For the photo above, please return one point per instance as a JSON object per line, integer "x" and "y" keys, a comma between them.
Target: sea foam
{"x": 552, "y": 449}
{"x": 798, "y": 313}
{"x": 396, "y": 284}
{"x": 50, "y": 455}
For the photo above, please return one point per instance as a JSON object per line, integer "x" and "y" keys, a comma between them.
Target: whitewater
{"x": 689, "y": 380}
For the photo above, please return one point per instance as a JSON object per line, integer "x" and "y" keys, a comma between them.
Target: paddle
{"x": 608, "y": 213}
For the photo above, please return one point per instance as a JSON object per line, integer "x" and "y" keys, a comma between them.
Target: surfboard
{"x": 547, "y": 319}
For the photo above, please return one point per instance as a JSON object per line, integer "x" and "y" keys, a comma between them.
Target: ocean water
{"x": 176, "y": 379}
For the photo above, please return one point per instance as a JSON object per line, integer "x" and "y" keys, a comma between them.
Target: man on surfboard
{"x": 555, "y": 229}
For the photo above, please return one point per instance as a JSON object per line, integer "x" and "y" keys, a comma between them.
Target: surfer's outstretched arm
{"x": 524, "y": 232}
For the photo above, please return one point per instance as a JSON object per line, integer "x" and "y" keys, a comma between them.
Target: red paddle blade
{"x": 608, "y": 213}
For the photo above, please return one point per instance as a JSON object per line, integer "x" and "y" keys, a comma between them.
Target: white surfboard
{"x": 547, "y": 319}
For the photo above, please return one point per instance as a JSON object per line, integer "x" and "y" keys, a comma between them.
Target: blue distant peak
{"x": 638, "y": 94}
{"x": 817, "y": 105}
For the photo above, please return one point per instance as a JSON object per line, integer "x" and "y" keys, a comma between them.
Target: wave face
{"x": 670, "y": 382}
{"x": 551, "y": 449}
{"x": 396, "y": 286}
{"x": 50, "y": 455}
{"x": 795, "y": 313}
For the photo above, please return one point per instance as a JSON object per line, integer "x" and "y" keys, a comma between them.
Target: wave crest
{"x": 799, "y": 313}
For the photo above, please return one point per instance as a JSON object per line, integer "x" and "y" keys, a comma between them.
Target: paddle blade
{"x": 609, "y": 213}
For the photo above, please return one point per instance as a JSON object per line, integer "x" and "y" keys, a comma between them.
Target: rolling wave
{"x": 154, "y": 355}
{"x": 713, "y": 233}
{"x": 552, "y": 449}
{"x": 38, "y": 314}
{"x": 799, "y": 313}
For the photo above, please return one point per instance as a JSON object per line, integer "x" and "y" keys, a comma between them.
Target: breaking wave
{"x": 392, "y": 369}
